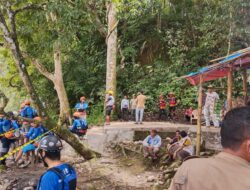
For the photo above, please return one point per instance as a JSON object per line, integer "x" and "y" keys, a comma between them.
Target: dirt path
{"x": 106, "y": 173}
{"x": 122, "y": 173}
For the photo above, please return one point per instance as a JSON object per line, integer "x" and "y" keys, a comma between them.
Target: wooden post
{"x": 198, "y": 131}
{"x": 244, "y": 79}
{"x": 229, "y": 88}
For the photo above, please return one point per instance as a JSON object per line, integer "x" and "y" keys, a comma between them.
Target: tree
{"x": 111, "y": 40}
{"x": 11, "y": 39}
{"x": 10, "y": 36}
{"x": 57, "y": 77}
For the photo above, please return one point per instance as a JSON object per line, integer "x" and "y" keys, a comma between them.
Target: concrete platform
{"x": 160, "y": 126}
{"x": 100, "y": 137}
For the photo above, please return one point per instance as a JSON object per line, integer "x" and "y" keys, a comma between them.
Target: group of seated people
{"x": 16, "y": 129}
{"x": 178, "y": 147}
{"x": 17, "y": 132}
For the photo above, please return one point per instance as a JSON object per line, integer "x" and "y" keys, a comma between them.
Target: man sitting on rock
{"x": 228, "y": 170}
{"x": 151, "y": 145}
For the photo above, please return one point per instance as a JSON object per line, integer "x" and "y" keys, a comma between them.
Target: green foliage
{"x": 159, "y": 39}
{"x": 96, "y": 115}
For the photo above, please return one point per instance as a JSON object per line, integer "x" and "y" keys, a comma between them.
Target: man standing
{"x": 152, "y": 144}
{"x": 4, "y": 141}
{"x": 133, "y": 106}
{"x": 125, "y": 108}
{"x": 140, "y": 106}
{"x": 110, "y": 103}
{"x": 209, "y": 107}
{"x": 172, "y": 102}
{"x": 59, "y": 176}
{"x": 162, "y": 107}
{"x": 228, "y": 170}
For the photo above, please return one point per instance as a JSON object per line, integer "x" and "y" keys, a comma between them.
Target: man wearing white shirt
{"x": 209, "y": 108}
{"x": 125, "y": 108}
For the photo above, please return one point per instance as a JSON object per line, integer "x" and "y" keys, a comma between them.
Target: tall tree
{"x": 10, "y": 36}
{"x": 111, "y": 41}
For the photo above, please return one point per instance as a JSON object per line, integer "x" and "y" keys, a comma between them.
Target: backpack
{"x": 69, "y": 183}
{"x": 84, "y": 124}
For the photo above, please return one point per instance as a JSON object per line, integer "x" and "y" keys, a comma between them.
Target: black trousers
{"x": 125, "y": 114}
{"x": 4, "y": 148}
{"x": 162, "y": 112}
{"x": 171, "y": 114}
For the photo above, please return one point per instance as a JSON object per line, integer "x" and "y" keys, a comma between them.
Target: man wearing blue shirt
{"x": 152, "y": 144}
{"x": 59, "y": 176}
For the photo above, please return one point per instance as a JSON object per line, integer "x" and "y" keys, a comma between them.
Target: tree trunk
{"x": 111, "y": 48}
{"x": 3, "y": 102}
{"x": 59, "y": 85}
{"x": 21, "y": 66}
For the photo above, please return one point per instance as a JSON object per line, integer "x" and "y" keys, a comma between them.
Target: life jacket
{"x": 69, "y": 179}
{"x": 162, "y": 104}
{"x": 172, "y": 101}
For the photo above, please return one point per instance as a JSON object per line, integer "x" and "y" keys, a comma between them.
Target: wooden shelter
{"x": 221, "y": 67}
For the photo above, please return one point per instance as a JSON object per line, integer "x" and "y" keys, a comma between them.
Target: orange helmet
{"x": 9, "y": 134}
{"x": 82, "y": 98}
{"x": 22, "y": 105}
{"x": 38, "y": 119}
{"x": 27, "y": 102}
{"x": 1, "y": 115}
{"x": 76, "y": 114}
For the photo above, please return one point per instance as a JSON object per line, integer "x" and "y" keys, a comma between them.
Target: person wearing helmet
{"x": 82, "y": 107}
{"x": 28, "y": 111}
{"x": 172, "y": 103}
{"x": 79, "y": 126}
{"x": 59, "y": 176}
{"x": 34, "y": 132}
{"x": 4, "y": 142}
{"x": 6, "y": 139}
{"x": 110, "y": 103}
{"x": 13, "y": 133}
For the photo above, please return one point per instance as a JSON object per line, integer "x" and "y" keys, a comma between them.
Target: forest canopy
{"x": 158, "y": 40}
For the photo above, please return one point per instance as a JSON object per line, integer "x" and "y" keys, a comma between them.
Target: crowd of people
{"x": 133, "y": 109}
{"x": 25, "y": 130}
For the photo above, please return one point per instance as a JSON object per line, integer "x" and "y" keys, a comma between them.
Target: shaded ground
{"x": 107, "y": 173}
